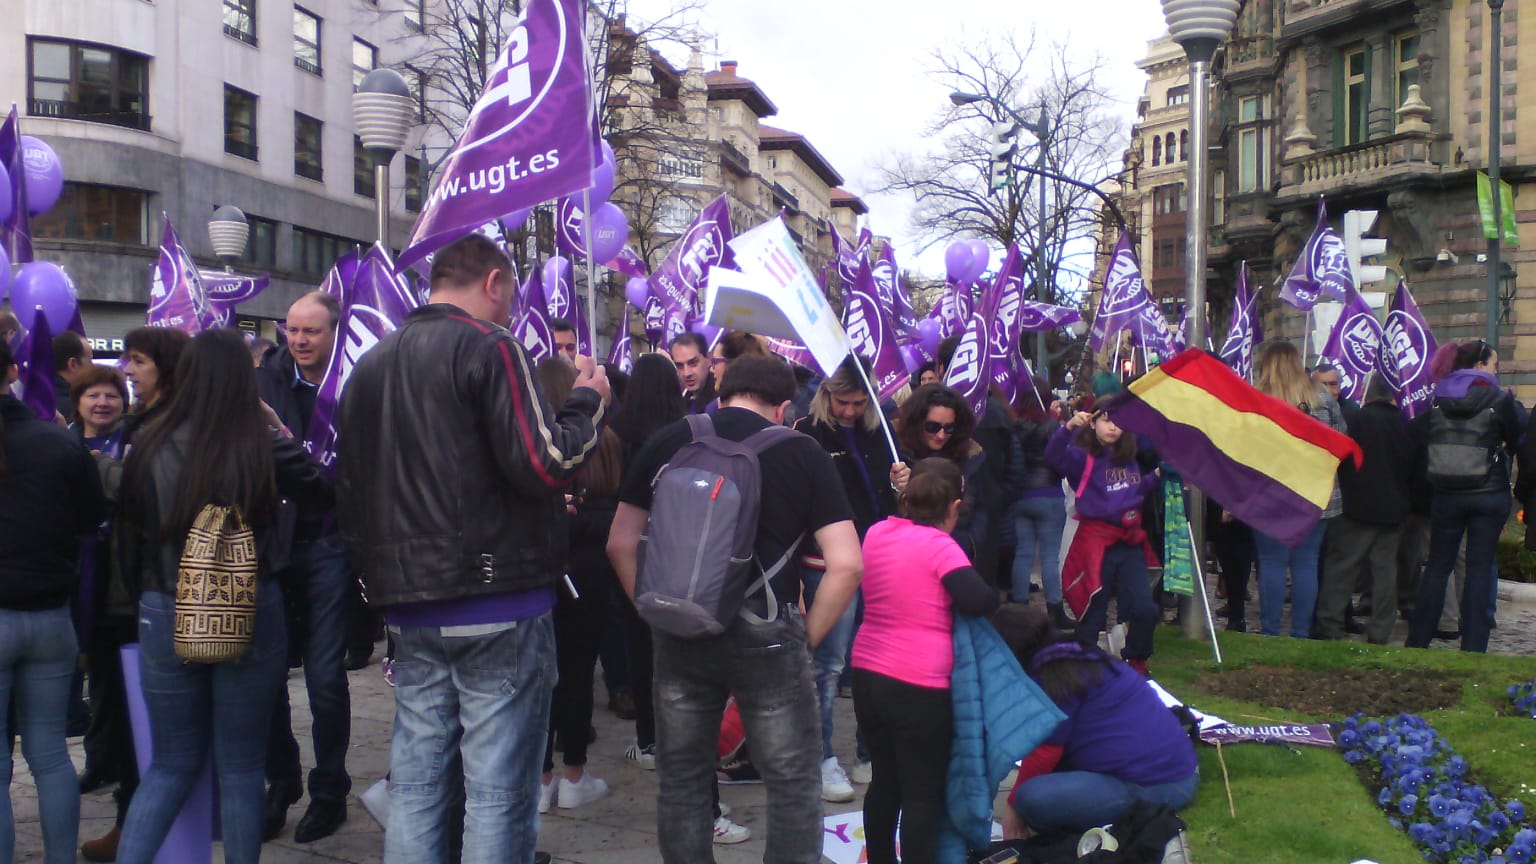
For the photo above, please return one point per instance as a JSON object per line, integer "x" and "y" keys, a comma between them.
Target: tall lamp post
{"x": 1199, "y": 26}
{"x": 383, "y": 111}
{"x": 1495, "y": 117}
{"x": 229, "y": 231}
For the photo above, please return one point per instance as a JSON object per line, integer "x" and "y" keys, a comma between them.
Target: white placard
{"x": 777, "y": 275}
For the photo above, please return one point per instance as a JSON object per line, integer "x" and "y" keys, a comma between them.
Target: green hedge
{"x": 1515, "y": 561}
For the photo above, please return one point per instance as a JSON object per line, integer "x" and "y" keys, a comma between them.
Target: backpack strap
{"x": 700, "y": 426}
{"x": 1082, "y": 482}
{"x": 765, "y": 582}
{"x": 758, "y": 442}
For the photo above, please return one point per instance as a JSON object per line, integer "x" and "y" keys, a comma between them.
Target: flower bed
{"x": 1524, "y": 697}
{"x": 1423, "y": 786}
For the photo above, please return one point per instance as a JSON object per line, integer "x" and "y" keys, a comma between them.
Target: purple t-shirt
{"x": 1122, "y": 729}
{"x": 473, "y": 611}
{"x": 1110, "y": 491}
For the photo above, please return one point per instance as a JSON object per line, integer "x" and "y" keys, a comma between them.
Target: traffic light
{"x": 1356, "y": 223}
{"x": 1003, "y": 142}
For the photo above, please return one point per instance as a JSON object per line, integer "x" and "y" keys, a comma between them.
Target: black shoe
{"x": 356, "y": 660}
{"x": 320, "y": 820}
{"x": 93, "y": 778}
{"x": 1352, "y": 626}
{"x": 280, "y": 796}
{"x": 1238, "y": 626}
{"x": 541, "y": 858}
{"x": 622, "y": 704}
{"x": 1059, "y": 618}
{"x": 1448, "y": 635}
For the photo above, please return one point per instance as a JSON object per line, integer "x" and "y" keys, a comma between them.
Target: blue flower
{"x": 1407, "y": 804}
{"x": 1385, "y": 796}
{"x": 1498, "y": 820}
{"x": 1439, "y": 805}
{"x": 1354, "y": 757}
{"x": 1515, "y": 809}
{"x": 1349, "y": 737}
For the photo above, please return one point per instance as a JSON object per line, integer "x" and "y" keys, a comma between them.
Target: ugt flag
{"x": 1001, "y": 306}
{"x": 620, "y": 354}
{"x": 969, "y": 367}
{"x": 528, "y": 139}
{"x": 1124, "y": 302}
{"x": 703, "y": 246}
{"x": 1406, "y": 349}
{"x": 1245, "y": 331}
{"x": 16, "y": 230}
{"x": 531, "y": 326}
{"x": 1353, "y": 346}
{"x": 177, "y": 298}
{"x": 1322, "y": 266}
{"x": 874, "y": 338}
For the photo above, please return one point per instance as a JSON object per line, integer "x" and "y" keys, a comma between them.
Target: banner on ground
{"x": 1321, "y": 268}
{"x": 529, "y": 138}
{"x": 1353, "y": 347}
{"x": 1407, "y": 346}
{"x": 1310, "y": 734}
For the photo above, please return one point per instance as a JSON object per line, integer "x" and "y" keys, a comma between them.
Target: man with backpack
{"x": 701, "y": 496}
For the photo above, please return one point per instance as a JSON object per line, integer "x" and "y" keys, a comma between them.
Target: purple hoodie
{"x": 1112, "y": 491}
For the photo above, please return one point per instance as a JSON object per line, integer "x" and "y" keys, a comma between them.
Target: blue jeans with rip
{"x": 193, "y": 706}
{"x": 1072, "y": 801}
{"x": 768, "y": 669}
{"x": 37, "y": 660}
{"x": 831, "y": 658}
{"x": 1038, "y": 525}
{"x": 321, "y": 565}
{"x": 476, "y": 697}
{"x": 1275, "y": 560}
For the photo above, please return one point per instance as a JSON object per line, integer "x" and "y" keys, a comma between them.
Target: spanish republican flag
{"x": 1268, "y": 462}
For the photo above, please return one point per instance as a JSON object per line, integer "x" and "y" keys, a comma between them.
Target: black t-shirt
{"x": 800, "y": 487}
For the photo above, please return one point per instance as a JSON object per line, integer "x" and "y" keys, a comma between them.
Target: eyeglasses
{"x": 933, "y": 428}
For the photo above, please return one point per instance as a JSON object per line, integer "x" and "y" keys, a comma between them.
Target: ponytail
{"x": 934, "y": 485}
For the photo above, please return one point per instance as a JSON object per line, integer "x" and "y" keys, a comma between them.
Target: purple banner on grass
{"x": 1313, "y": 735}
{"x": 36, "y": 362}
{"x": 1245, "y": 330}
{"x": 1407, "y": 345}
{"x": 873, "y": 337}
{"x": 702, "y": 246}
{"x": 1322, "y": 267}
{"x": 1353, "y": 346}
{"x": 16, "y": 230}
{"x": 528, "y": 138}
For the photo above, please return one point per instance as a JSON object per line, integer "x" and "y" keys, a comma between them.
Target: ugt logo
{"x": 1405, "y": 338}
{"x": 862, "y": 329}
{"x": 1362, "y": 337}
{"x": 1123, "y": 289}
{"x": 522, "y": 75}
{"x": 1330, "y": 263}
{"x": 965, "y": 366}
{"x": 701, "y": 247}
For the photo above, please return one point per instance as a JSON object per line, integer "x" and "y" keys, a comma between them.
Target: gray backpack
{"x": 1463, "y": 449}
{"x": 696, "y": 559}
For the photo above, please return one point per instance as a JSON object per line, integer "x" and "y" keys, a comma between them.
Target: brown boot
{"x": 104, "y": 848}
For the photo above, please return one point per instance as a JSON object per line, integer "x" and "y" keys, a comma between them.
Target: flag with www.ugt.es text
{"x": 1321, "y": 268}
{"x": 528, "y": 139}
{"x": 873, "y": 336}
{"x": 1407, "y": 346}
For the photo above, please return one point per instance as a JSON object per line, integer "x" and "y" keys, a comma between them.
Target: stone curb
{"x": 1517, "y": 592}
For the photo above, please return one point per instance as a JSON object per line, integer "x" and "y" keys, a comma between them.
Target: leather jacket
{"x": 1038, "y": 473}
{"x": 451, "y": 466}
{"x": 877, "y": 463}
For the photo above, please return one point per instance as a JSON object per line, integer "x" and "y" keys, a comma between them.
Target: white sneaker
{"x": 547, "y": 795}
{"x": 834, "y": 783}
{"x": 583, "y": 791}
{"x": 645, "y": 757}
{"x": 728, "y": 832}
{"x": 725, "y": 809}
{"x": 863, "y": 772}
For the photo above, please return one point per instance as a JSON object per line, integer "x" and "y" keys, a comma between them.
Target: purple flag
{"x": 1124, "y": 299}
{"x": 845, "y": 259}
{"x": 1000, "y": 310}
{"x": 628, "y": 262}
{"x": 703, "y": 245}
{"x": 16, "y": 231}
{"x": 36, "y": 362}
{"x": 225, "y": 291}
{"x": 532, "y": 325}
{"x": 1150, "y": 330}
{"x": 1181, "y": 332}
{"x": 620, "y": 354}
{"x": 374, "y": 301}
{"x": 1322, "y": 266}
{"x": 1043, "y": 317}
{"x": 563, "y": 303}
{"x": 569, "y": 220}
{"x": 1313, "y": 734}
{"x": 177, "y": 297}
{"x": 655, "y": 320}
{"x": 1406, "y": 348}
{"x": 795, "y": 353}
{"x": 894, "y": 298}
{"x": 969, "y": 368}
{"x": 869, "y": 329}
{"x": 953, "y": 309}
{"x": 1245, "y": 331}
{"x": 528, "y": 139}
{"x": 1354, "y": 345}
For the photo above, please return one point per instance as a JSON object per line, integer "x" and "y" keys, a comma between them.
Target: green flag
{"x": 1178, "y": 555}
{"x": 1510, "y": 232}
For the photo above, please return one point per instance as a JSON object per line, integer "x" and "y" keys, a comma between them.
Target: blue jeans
{"x": 192, "y": 705}
{"x": 1274, "y": 559}
{"x": 37, "y": 660}
{"x": 321, "y": 565}
{"x": 768, "y": 668}
{"x": 1038, "y": 522}
{"x": 477, "y": 697}
{"x": 1479, "y": 517}
{"x": 830, "y": 657}
{"x": 1073, "y": 801}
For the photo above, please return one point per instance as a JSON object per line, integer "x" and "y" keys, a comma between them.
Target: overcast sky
{"x": 852, "y": 75}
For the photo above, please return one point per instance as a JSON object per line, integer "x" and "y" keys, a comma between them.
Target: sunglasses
{"x": 934, "y": 428}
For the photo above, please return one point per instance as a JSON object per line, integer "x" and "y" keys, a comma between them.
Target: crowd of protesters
{"x": 488, "y": 514}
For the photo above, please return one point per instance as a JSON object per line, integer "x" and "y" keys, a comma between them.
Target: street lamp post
{"x": 1199, "y": 26}
{"x": 229, "y": 231}
{"x": 1495, "y": 63}
{"x": 382, "y": 110}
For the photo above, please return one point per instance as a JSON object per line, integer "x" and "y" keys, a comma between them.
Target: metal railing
{"x": 786, "y": 199}
{"x": 81, "y": 111}
{"x": 245, "y": 36}
{"x": 307, "y": 66}
{"x": 733, "y": 158}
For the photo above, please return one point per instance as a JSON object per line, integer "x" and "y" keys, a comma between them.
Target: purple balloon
{"x": 5, "y": 196}
{"x": 957, "y": 261}
{"x": 602, "y": 178}
{"x": 5, "y": 268}
{"x": 516, "y": 219}
{"x": 610, "y": 230}
{"x": 43, "y": 283}
{"x": 929, "y": 335}
{"x": 636, "y": 291}
{"x": 555, "y": 269}
{"x": 45, "y": 176}
{"x": 711, "y": 334}
{"x": 981, "y": 257}
{"x": 911, "y": 358}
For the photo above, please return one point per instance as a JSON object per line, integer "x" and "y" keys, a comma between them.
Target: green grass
{"x": 1306, "y": 805}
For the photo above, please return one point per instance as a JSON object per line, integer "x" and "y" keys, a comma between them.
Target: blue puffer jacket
{"x": 1001, "y": 715}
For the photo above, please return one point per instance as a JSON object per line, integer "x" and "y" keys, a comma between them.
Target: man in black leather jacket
{"x": 452, "y": 469}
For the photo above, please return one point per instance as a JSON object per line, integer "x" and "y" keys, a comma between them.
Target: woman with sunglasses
{"x": 1465, "y": 440}
{"x": 936, "y": 421}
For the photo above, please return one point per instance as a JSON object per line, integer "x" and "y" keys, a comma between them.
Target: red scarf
{"x": 1082, "y": 573}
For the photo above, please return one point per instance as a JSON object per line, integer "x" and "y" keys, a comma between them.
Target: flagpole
{"x": 890, "y": 438}
{"x": 1205, "y": 602}
{"x": 586, "y": 230}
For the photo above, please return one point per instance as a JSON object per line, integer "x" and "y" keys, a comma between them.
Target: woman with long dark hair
{"x": 50, "y": 494}
{"x": 213, "y": 444}
{"x": 936, "y": 421}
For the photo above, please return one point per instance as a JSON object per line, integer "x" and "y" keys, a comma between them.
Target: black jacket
{"x": 1503, "y": 438}
{"x": 452, "y": 466}
{"x": 1038, "y": 473}
{"x": 274, "y": 380}
{"x": 1379, "y": 493}
{"x": 155, "y": 565}
{"x": 52, "y": 497}
{"x": 876, "y": 454}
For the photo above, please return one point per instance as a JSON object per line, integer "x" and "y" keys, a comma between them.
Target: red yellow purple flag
{"x": 1269, "y": 463}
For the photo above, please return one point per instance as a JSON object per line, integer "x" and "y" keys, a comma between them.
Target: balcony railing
{"x": 89, "y": 113}
{"x": 784, "y": 198}
{"x": 1363, "y": 164}
{"x": 734, "y": 159}
{"x": 307, "y": 66}
{"x": 245, "y": 36}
